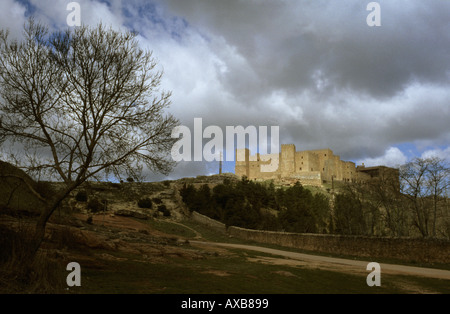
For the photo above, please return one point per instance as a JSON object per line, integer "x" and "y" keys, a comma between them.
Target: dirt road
{"x": 329, "y": 263}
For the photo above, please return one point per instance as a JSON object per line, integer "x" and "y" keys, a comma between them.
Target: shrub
{"x": 130, "y": 179}
{"x": 157, "y": 200}
{"x": 164, "y": 210}
{"x": 95, "y": 205}
{"x": 166, "y": 183}
{"x": 145, "y": 203}
{"x": 81, "y": 196}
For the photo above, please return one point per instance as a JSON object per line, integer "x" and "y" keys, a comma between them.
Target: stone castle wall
{"x": 310, "y": 167}
{"x": 409, "y": 250}
{"x": 211, "y": 223}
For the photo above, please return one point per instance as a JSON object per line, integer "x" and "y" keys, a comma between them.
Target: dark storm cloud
{"x": 337, "y": 82}
{"x": 314, "y": 68}
{"x": 287, "y": 44}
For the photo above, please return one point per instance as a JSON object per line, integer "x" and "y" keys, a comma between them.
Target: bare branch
{"x": 86, "y": 101}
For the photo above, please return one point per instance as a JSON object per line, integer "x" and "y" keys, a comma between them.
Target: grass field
{"x": 232, "y": 272}
{"x": 237, "y": 275}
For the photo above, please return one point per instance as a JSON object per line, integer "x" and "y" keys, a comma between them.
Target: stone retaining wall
{"x": 216, "y": 225}
{"x": 406, "y": 249}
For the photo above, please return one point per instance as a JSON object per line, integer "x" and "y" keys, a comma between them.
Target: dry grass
{"x": 20, "y": 271}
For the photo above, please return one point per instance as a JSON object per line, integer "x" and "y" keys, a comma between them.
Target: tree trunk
{"x": 46, "y": 213}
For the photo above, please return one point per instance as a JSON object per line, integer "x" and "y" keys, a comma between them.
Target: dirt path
{"x": 197, "y": 234}
{"x": 329, "y": 263}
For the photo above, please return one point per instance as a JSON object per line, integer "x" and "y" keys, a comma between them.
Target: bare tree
{"x": 424, "y": 183}
{"x": 82, "y": 103}
{"x": 437, "y": 182}
{"x": 412, "y": 179}
{"x": 385, "y": 194}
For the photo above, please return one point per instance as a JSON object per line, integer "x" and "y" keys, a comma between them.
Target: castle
{"x": 310, "y": 167}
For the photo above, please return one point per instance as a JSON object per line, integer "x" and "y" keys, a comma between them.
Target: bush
{"x": 95, "y": 205}
{"x": 164, "y": 210}
{"x": 130, "y": 179}
{"x": 157, "y": 200}
{"x": 145, "y": 203}
{"x": 81, "y": 196}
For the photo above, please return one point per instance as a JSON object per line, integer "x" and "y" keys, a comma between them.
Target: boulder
{"x": 131, "y": 213}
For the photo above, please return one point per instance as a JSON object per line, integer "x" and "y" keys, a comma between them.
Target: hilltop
{"x": 123, "y": 248}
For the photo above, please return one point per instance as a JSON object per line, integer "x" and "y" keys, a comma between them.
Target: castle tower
{"x": 242, "y": 166}
{"x": 287, "y": 160}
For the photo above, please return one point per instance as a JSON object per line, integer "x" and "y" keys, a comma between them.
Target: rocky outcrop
{"x": 18, "y": 191}
{"x": 131, "y": 213}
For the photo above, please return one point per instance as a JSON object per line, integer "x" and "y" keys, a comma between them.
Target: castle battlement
{"x": 310, "y": 167}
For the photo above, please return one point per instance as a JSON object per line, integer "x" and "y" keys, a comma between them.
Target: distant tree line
{"x": 418, "y": 208}
{"x": 256, "y": 205}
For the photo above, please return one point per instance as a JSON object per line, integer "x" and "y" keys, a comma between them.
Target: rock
{"x": 131, "y": 213}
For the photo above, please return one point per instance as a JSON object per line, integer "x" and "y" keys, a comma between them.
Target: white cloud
{"x": 440, "y": 153}
{"x": 12, "y": 17}
{"x": 313, "y": 68}
{"x": 393, "y": 157}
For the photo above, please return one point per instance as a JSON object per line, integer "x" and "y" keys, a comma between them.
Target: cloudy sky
{"x": 378, "y": 95}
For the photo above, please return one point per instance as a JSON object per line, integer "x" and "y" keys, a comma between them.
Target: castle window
{"x": 311, "y": 169}
{"x": 323, "y": 169}
{"x": 300, "y": 168}
{"x": 325, "y": 155}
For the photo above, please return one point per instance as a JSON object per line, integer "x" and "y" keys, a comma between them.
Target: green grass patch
{"x": 235, "y": 274}
{"x": 170, "y": 228}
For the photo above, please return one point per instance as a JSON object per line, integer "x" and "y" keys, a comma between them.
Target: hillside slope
{"x": 16, "y": 190}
